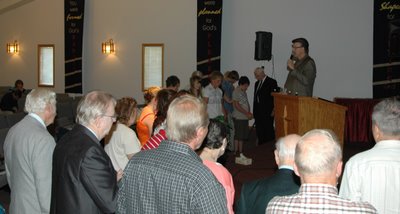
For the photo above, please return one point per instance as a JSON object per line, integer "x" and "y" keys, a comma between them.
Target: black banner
{"x": 209, "y": 17}
{"x": 386, "y": 76}
{"x": 74, "y": 13}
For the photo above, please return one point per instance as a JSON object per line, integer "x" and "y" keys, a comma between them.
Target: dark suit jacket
{"x": 8, "y": 103}
{"x": 84, "y": 180}
{"x": 302, "y": 78}
{"x": 264, "y": 105}
{"x": 254, "y": 196}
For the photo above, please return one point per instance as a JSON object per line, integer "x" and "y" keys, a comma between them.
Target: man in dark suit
{"x": 9, "y": 102}
{"x": 84, "y": 180}
{"x": 255, "y": 195}
{"x": 263, "y": 106}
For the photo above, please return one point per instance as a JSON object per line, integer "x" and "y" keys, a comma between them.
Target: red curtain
{"x": 358, "y": 119}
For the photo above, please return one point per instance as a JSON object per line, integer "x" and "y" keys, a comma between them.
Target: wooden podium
{"x": 298, "y": 115}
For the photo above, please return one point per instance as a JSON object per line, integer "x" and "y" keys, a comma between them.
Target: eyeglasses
{"x": 294, "y": 47}
{"x": 113, "y": 117}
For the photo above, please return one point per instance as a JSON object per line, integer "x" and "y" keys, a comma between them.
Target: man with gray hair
{"x": 28, "y": 151}
{"x": 172, "y": 178}
{"x": 255, "y": 195}
{"x": 84, "y": 180}
{"x": 374, "y": 175}
{"x": 263, "y": 106}
{"x": 318, "y": 163}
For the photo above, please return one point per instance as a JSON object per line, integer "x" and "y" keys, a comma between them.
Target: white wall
{"x": 130, "y": 24}
{"x": 38, "y": 22}
{"x": 340, "y": 33}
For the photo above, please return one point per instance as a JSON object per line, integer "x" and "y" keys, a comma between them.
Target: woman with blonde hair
{"x": 122, "y": 143}
{"x": 195, "y": 86}
{"x": 144, "y": 126}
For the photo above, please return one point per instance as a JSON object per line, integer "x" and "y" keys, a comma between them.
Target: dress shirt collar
{"x": 92, "y": 132}
{"x": 86, "y": 131}
{"x": 262, "y": 81}
{"x": 318, "y": 189}
{"x": 388, "y": 144}
{"x": 286, "y": 167}
{"x": 38, "y": 118}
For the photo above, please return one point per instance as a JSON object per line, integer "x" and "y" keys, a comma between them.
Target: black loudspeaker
{"x": 263, "y": 46}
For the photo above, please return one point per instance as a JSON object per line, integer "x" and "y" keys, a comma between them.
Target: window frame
{"x": 150, "y": 45}
{"x": 41, "y": 83}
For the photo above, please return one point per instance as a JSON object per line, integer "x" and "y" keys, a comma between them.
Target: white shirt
{"x": 123, "y": 142}
{"x": 214, "y": 106}
{"x": 374, "y": 176}
{"x": 260, "y": 83}
{"x": 286, "y": 167}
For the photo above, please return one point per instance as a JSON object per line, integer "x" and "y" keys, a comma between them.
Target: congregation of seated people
{"x": 114, "y": 157}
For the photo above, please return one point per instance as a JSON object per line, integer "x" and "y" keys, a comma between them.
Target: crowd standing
{"x": 169, "y": 163}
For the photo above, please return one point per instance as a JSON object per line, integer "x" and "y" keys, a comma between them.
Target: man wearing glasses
{"x": 84, "y": 180}
{"x": 302, "y": 70}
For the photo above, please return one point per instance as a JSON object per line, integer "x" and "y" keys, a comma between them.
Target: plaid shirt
{"x": 169, "y": 179}
{"x": 317, "y": 198}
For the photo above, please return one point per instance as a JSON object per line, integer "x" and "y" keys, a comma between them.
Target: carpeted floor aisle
{"x": 263, "y": 164}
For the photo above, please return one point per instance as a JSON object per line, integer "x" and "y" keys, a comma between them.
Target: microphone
{"x": 292, "y": 58}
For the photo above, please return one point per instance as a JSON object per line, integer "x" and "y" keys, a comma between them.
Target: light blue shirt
{"x": 38, "y": 118}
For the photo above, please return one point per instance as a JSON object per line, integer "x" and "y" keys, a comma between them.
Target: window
{"x": 152, "y": 65}
{"x": 46, "y": 65}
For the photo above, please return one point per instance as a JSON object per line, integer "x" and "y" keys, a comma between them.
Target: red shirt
{"x": 155, "y": 140}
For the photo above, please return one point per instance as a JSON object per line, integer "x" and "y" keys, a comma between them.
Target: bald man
{"x": 255, "y": 195}
{"x": 318, "y": 163}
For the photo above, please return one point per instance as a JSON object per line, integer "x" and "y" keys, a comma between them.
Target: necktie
{"x": 259, "y": 85}
{"x": 258, "y": 88}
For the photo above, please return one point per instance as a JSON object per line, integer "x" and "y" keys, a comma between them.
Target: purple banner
{"x": 209, "y": 17}
{"x": 386, "y": 73}
{"x": 73, "y": 28}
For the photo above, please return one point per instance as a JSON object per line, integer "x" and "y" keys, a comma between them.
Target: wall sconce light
{"x": 13, "y": 47}
{"x": 108, "y": 47}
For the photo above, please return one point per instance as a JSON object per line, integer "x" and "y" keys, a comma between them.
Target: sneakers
{"x": 243, "y": 160}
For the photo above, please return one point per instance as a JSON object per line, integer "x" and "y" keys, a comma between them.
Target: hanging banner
{"x": 209, "y": 17}
{"x": 73, "y": 28}
{"x": 386, "y": 73}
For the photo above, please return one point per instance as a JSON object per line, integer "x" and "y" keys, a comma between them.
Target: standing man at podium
{"x": 302, "y": 70}
{"x": 263, "y": 106}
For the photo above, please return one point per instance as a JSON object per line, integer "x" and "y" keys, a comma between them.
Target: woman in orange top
{"x": 144, "y": 125}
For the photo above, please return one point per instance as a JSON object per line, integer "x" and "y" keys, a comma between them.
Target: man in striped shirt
{"x": 318, "y": 163}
